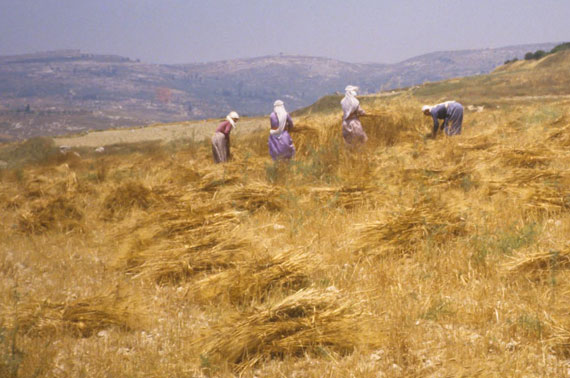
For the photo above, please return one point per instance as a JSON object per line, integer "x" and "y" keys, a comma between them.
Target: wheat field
{"x": 410, "y": 257}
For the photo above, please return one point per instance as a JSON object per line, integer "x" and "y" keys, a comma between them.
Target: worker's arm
{"x": 289, "y": 123}
{"x": 435, "y": 125}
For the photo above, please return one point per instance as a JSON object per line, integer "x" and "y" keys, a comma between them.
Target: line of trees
{"x": 539, "y": 54}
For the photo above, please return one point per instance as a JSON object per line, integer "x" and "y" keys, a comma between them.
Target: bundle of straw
{"x": 169, "y": 262}
{"x": 125, "y": 197}
{"x": 255, "y": 196}
{"x": 403, "y": 231}
{"x": 527, "y": 158}
{"x": 304, "y": 322}
{"x": 254, "y": 278}
{"x": 305, "y": 137}
{"x": 59, "y": 214}
{"x": 216, "y": 177}
{"x": 347, "y": 197}
{"x": 81, "y": 318}
{"x": 539, "y": 263}
{"x": 560, "y": 331}
{"x": 560, "y": 136}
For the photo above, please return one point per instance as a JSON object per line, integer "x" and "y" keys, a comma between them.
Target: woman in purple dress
{"x": 221, "y": 138}
{"x": 452, "y": 114}
{"x": 352, "y": 130}
{"x": 280, "y": 143}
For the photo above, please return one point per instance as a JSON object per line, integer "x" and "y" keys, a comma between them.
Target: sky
{"x": 189, "y": 31}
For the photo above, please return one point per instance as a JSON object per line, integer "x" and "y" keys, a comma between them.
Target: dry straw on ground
{"x": 81, "y": 318}
{"x": 540, "y": 263}
{"x": 60, "y": 214}
{"x": 254, "y": 278}
{"x": 126, "y": 197}
{"x": 309, "y": 321}
{"x": 409, "y": 256}
{"x": 403, "y": 230}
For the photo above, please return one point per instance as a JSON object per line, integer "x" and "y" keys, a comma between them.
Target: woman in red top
{"x": 221, "y": 138}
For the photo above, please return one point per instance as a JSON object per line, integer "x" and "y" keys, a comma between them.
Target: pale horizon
{"x": 180, "y": 32}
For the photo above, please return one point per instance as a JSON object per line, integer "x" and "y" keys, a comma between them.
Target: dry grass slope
{"x": 410, "y": 257}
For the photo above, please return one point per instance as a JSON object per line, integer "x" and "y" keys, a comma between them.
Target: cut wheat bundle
{"x": 254, "y": 196}
{"x": 537, "y": 198}
{"x": 559, "y": 338}
{"x": 538, "y": 156}
{"x": 402, "y": 231}
{"x": 305, "y": 137}
{"x": 215, "y": 177}
{"x": 539, "y": 263}
{"x": 125, "y": 197}
{"x": 82, "y": 318}
{"x": 59, "y": 214}
{"x": 560, "y": 136}
{"x": 307, "y": 321}
{"x": 256, "y": 276}
{"x": 170, "y": 262}
{"x": 347, "y": 197}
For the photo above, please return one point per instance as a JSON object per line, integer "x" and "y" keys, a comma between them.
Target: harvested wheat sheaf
{"x": 539, "y": 263}
{"x": 81, "y": 318}
{"x": 126, "y": 197}
{"x": 309, "y": 321}
{"x": 255, "y": 277}
{"x": 171, "y": 262}
{"x": 405, "y": 229}
{"x": 347, "y": 197}
{"x": 58, "y": 214}
{"x": 255, "y": 196}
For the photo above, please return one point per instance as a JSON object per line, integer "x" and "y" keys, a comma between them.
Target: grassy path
{"x": 197, "y": 130}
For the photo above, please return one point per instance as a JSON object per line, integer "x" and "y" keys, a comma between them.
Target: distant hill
{"x": 532, "y": 79}
{"x": 69, "y": 91}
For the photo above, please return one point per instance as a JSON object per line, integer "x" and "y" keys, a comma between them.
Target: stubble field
{"x": 411, "y": 257}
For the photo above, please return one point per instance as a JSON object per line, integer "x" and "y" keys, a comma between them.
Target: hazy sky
{"x": 185, "y": 31}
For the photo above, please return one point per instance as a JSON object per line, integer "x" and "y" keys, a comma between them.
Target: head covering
{"x": 349, "y": 103}
{"x": 425, "y": 107}
{"x": 351, "y": 89}
{"x": 232, "y": 117}
{"x": 281, "y": 114}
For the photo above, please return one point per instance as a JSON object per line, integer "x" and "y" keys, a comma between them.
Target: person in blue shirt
{"x": 451, "y": 112}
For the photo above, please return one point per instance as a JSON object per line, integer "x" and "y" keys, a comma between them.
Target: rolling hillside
{"x": 71, "y": 92}
{"x": 411, "y": 257}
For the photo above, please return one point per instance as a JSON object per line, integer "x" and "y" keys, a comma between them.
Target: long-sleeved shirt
{"x": 275, "y": 121}
{"x": 438, "y": 112}
{"x": 225, "y": 128}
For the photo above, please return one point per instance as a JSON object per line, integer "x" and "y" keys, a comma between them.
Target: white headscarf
{"x": 281, "y": 114}
{"x": 349, "y": 103}
{"x": 232, "y": 117}
{"x": 430, "y": 107}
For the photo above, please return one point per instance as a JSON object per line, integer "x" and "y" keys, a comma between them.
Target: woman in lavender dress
{"x": 221, "y": 138}
{"x": 452, "y": 114}
{"x": 352, "y": 130}
{"x": 280, "y": 143}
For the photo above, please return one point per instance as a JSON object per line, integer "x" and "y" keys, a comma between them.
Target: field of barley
{"x": 412, "y": 257}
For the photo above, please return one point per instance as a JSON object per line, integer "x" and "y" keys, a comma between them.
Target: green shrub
{"x": 560, "y": 47}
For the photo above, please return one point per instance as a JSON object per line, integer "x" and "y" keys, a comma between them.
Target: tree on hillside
{"x": 539, "y": 54}
{"x": 560, "y": 47}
